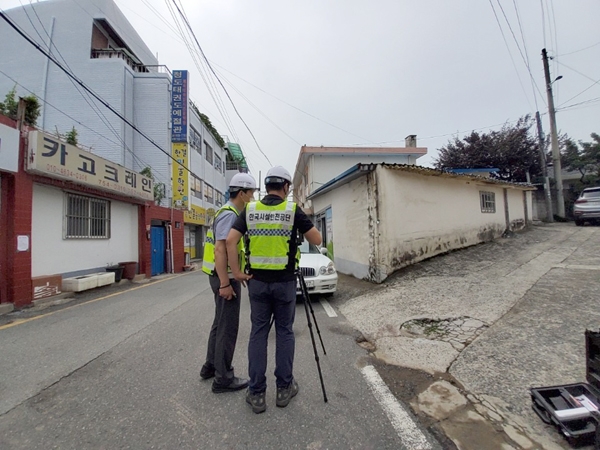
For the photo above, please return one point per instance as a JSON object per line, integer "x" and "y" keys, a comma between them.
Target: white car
{"x": 318, "y": 270}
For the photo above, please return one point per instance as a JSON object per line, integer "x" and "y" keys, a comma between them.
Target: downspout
{"x": 45, "y": 77}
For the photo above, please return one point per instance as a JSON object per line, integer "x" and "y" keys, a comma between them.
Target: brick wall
{"x": 17, "y": 200}
{"x": 150, "y": 212}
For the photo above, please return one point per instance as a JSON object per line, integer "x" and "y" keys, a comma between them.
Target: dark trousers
{"x": 224, "y": 332}
{"x": 266, "y": 300}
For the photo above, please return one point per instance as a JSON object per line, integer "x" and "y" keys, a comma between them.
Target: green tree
{"x": 9, "y": 107}
{"x": 71, "y": 136}
{"x": 159, "y": 188}
{"x": 513, "y": 150}
{"x": 208, "y": 124}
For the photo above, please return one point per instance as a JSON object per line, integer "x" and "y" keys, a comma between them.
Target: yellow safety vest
{"x": 208, "y": 260}
{"x": 269, "y": 234}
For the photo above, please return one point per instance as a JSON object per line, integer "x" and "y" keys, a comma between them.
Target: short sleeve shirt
{"x": 223, "y": 223}
{"x": 302, "y": 224}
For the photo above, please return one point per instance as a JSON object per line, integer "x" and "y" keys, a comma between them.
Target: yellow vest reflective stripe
{"x": 269, "y": 234}
{"x": 208, "y": 259}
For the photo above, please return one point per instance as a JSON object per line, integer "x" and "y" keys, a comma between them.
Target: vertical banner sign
{"x": 179, "y": 139}
{"x": 179, "y": 106}
{"x": 181, "y": 177}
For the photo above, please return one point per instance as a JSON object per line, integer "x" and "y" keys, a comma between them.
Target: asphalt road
{"x": 123, "y": 372}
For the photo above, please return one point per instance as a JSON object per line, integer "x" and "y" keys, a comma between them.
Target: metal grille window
{"x": 217, "y": 162}
{"x": 488, "y": 201}
{"x": 86, "y": 217}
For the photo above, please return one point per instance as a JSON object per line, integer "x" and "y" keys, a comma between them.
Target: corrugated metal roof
{"x": 360, "y": 169}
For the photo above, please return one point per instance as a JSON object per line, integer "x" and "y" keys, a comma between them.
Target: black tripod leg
{"x": 305, "y": 300}
{"x": 312, "y": 311}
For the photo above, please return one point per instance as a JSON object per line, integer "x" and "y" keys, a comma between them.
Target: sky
{"x": 358, "y": 73}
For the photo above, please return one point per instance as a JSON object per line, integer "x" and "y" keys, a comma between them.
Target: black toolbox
{"x": 574, "y": 408}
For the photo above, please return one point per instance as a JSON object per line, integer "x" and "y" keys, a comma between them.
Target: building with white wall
{"x": 94, "y": 40}
{"x": 317, "y": 165}
{"x": 382, "y": 217}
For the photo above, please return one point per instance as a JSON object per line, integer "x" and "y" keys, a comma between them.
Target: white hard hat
{"x": 243, "y": 181}
{"x": 278, "y": 174}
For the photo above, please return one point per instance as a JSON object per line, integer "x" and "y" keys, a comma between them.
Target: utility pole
{"x": 560, "y": 199}
{"x": 542, "y": 145}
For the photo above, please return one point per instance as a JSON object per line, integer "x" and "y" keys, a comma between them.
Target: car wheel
{"x": 579, "y": 222}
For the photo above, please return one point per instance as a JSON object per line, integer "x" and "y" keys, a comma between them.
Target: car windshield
{"x": 591, "y": 194}
{"x": 306, "y": 247}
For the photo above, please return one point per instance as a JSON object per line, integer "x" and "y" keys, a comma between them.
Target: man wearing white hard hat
{"x": 272, "y": 226}
{"x": 227, "y": 290}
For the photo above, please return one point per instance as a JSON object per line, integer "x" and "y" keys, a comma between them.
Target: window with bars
{"x": 488, "y": 201}
{"x": 217, "y": 162}
{"x": 218, "y": 198}
{"x": 86, "y": 217}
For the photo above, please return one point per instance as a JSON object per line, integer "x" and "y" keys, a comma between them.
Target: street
{"x": 123, "y": 372}
{"x": 440, "y": 356}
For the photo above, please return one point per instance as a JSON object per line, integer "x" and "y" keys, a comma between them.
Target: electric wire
{"x": 205, "y": 77}
{"x": 510, "y": 54}
{"x": 153, "y": 9}
{"x": 580, "y": 50}
{"x": 519, "y": 48}
{"x": 84, "y": 94}
{"x": 526, "y": 53}
{"x": 593, "y": 100}
{"x": 90, "y": 149}
{"x": 292, "y": 106}
{"x": 220, "y": 82}
{"x": 88, "y": 89}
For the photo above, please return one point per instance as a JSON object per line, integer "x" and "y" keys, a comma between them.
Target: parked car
{"x": 587, "y": 206}
{"x": 318, "y": 270}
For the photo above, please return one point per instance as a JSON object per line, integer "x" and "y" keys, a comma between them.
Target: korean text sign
{"x": 181, "y": 176}
{"x": 56, "y": 159}
{"x": 179, "y": 106}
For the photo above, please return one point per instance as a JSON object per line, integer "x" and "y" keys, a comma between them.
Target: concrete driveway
{"x": 483, "y": 325}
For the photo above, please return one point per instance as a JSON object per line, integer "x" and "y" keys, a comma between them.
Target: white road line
{"x": 402, "y": 422}
{"x": 327, "y": 307}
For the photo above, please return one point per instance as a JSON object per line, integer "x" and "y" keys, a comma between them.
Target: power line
{"x": 219, "y": 80}
{"x": 580, "y": 50}
{"x": 450, "y": 134}
{"x": 526, "y": 53}
{"x": 84, "y": 95}
{"x": 292, "y": 106}
{"x": 77, "y": 122}
{"x": 246, "y": 81}
{"x": 519, "y": 48}
{"x": 510, "y": 53}
{"x": 84, "y": 86}
{"x": 203, "y": 73}
{"x": 593, "y": 100}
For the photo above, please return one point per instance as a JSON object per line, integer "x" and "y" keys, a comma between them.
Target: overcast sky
{"x": 356, "y": 73}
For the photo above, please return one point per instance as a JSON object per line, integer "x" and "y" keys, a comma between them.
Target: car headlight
{"x": 327, "y": 270}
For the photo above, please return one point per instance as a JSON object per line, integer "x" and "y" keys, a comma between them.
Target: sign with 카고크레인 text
{"x": 54, "y": 158}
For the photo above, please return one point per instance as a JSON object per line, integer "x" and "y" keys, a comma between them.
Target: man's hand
{"x": 227, "y": 292}
{"x": 241, "y": 276}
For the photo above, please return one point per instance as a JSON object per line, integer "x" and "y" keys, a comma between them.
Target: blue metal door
{"x": 157, "y": 243}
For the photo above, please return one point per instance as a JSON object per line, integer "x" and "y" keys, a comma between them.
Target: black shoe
{"x": 284, "y": 395}
{"x": 207, "y": 372}
{"x": 257, "y": 401}
{"x": 235, "y": 385}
